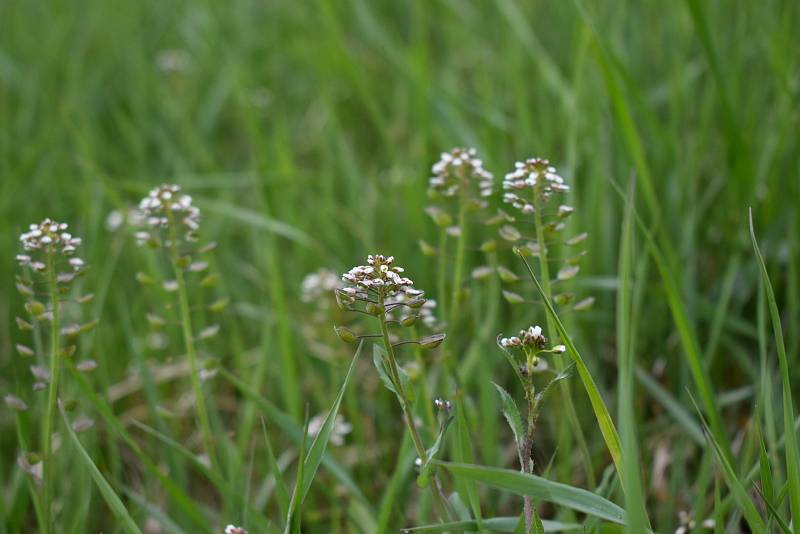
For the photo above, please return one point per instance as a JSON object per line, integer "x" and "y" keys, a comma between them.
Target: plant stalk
{"x": 52, "y": 396}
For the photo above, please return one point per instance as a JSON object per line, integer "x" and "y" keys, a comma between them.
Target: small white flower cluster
{"x": 456, "y": 169}
{"x": 340, "y": 428}
{"x": 536, "y": 174}
{"x": 442, "y": 404}
{"x": 531, "y": 338}
{"x": 318, "y": 283}
{"x": 380, "y": 276}
{"x": 49, "y": 237}
{"x": 161, "y": 205}
{"x": 232, "y": 529}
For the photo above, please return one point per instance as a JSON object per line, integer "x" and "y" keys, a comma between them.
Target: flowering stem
{"x": 408, "y": 414}
{"x": 191, "y": 352}
{"x": 442, "y": 274}
{"x": 458, "y": 274}
{"x": 52, "y": 396}
{"x": 552, "y": 333}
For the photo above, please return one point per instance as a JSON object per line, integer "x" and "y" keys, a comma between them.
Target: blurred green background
{"x": 306, "y": 131}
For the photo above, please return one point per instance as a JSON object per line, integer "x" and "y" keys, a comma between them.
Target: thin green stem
{"x": 442, "y": 273}
{"x": 52, "y": 396}
{"x": 191, "y": 351}
{"x": 458, "y": 273}
{"x": 552, "y": 333}
{"x": 408, "y": 414}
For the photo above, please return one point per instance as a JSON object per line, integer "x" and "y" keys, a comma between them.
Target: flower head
{"x": 48, "y": 237}
{"x": 167, "y": 203}
{"x": 232, "y": 529}
{"x": 530, "y": 338}
{"x": 379, "y": 276}
{"x": 340, "y": 428}
{"x": 536, "y": 175}
{"x": 458, "y": 169}
{"x": 316, "y": 284}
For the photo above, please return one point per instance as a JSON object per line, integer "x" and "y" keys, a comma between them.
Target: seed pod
{"x": 219, "y": 305}
{"x": 209, "y": 280}
{"x": 432, "y": 341}
{"x": 427, "y": 249}
{"x": 24, "y": 325}
{"x": 375, "y": 309}
{"x": 345, "y": 334}
{"x": 489, "y": 246}
{"x": 35, "y": 307}
{"x": 408, "y": 320}
{"x": 506, "y": 274}
{"x": 144, "y": 279}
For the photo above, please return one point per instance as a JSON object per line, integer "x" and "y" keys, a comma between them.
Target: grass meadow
{"x": 214, "y": 395}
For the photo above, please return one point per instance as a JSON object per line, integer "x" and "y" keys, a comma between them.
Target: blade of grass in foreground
{"x": 792, "y": 454}
{"x": 546, "y": 490}
{"x": 738, "y": 490}
{"x": 607, "y": 427}
{"x": 121, "y": 514}
{"x": 626, "y": 324}
{"x": 494, "y": 524}
{"x": 323, "y": 436}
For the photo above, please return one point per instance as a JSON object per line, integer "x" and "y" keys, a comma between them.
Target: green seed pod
{"x": 408, "y": 320}
{"x": 24, "y": 325}
{"x": 219, "y": 305}
{"x": 145, "y": 279}
{"x": 156, "y": 321}
{"x": 513, "y": 298}
{"x": 489, "y": 246}
{"x": 427, "y": 249}
{"x": 88, "y": 327}
{"x": 416, "y": 304}
{"x": 69, "y": 405}
{"x": 432, "y": 341}
{"x": 25, "y": 351}
{"x": 506, "y": 274}
{"x": 375, "y": 309}
{"x": 183, "y": 261}
{"x": 35, "y": 307}
{"x": 345, "y": 334}
{"x": 209, "y": 280}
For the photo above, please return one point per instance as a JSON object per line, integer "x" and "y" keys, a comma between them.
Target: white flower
{"x": 340, "y": 428}
{"x": 48, "y": 236}
{"x": 379, "y": 276}
{"x": 457, "y": 169}
{"x": 231, "y": 529}
{"x": 534, "y": 175}
{"x": 166, "y": 203}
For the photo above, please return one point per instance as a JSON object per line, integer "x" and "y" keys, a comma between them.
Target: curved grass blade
{"x": 738, "y": 490}
{"x": 542, "y": 489}
{"x": 492, "y": 524}
{"x": 294, "y": 517}
{"x": 280, "y": 486}
{"x": 320, "y": 442}
{"x": 792, "y": 453}
{"x": 123, "y": 518}
{"x": 295, "y": 432}
{"x": 604, "y": 420}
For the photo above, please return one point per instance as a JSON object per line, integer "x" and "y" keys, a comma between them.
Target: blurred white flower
{"x": 340, "y": 428}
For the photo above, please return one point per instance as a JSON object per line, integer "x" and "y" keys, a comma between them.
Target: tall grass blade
{"x": 124, "y": 519}
{"x": 792, "y": 453}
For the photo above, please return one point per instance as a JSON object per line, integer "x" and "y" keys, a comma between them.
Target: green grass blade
{"x": 294, "y": 517}
{"x": 281, "y": 492}
{"x": 631, "y": 481}
{"x": 792, "y": 453}
{"x": 736, "y": 487}
{"x": 124, "y": 519}
{"x": 323, "y": 436}
{"x": 493, "y": 524}
{"x": 680, "y": 414}
{"x": 607, "y": 428}
{"x": 464, "y": 454}
{"x": 540, "y": 488}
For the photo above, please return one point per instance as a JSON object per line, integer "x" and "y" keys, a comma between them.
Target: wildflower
{"x": 442, "y": 404}
{"x": 231, "y": 529}
{"x": 316, "y": 284}
{"x": 164, "y": 204}
{"x": 340, "y": 428}
{"x": 537, "y": 176}
{"x": 456, "y": 170}
{"x": 49, "y": 237}
{"x": 379, "y": 276}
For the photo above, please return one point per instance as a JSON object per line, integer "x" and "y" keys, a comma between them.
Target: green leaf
{"x": 379, "y": 360}
{"x": 464, "y": 454}
{"x": 541, "y": 489}
{"x": 511, "y": 413}
{"x": 792, "y": 453}
{"x": 323, "y": 436}
{"x": 425, "y": 472}
{"x": 121, "y": 515}
{"x": 281, "y": 491}
{"x": 294, "y": 517}
{"x": 607, "y": 428}
{"x": 493, "y": 524}
{"x": 738, "y": 490}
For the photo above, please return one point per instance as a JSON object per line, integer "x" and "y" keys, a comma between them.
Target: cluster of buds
{"x": 532, "y": 343}
{"x": 163, "y": 206}
{"x": 535, "y": 176}
{"x": 379, "y": 278}
{"x": 384, "y": 293}
{"x": 48, "y": 239}
{"x": 443, "y": 405}
{"x": 457, "y": 170}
